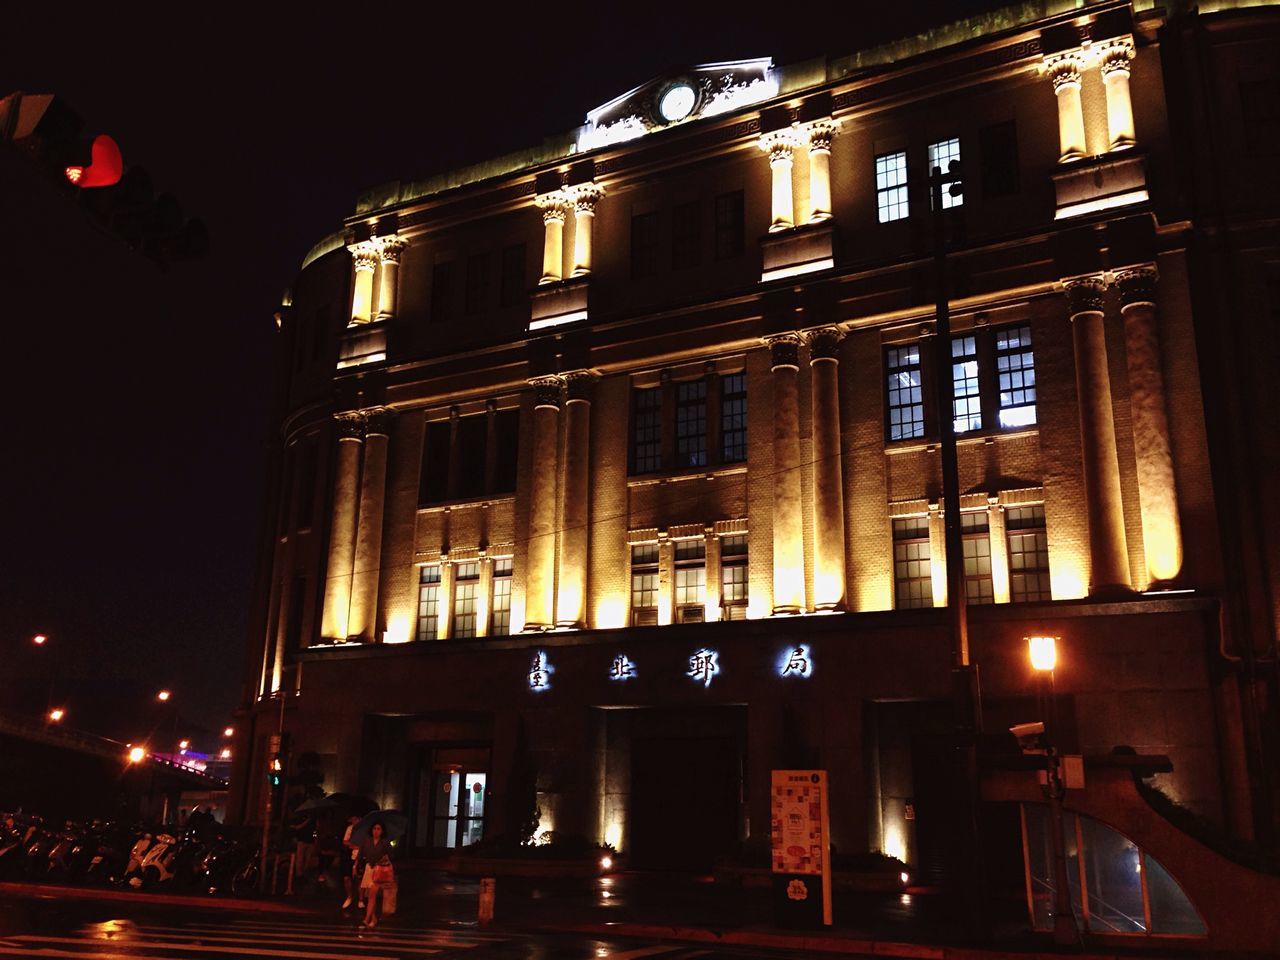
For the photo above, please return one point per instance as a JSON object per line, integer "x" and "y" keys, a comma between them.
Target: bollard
{"x": 487, "y": 885}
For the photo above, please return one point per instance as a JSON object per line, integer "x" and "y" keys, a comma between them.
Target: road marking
{"x": 135, "y": 945}
{"x": 359, "y": 940}
{"x": 26, "y": 952}
{"x": 341, "y": 935}
{"x": 462, "y": 931}
{"x": 646, "y": 951}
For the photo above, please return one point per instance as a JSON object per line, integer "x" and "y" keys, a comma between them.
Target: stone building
{"x": 624, "y": 447}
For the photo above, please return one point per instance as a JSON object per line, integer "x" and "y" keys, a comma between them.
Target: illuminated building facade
{"x": 624, "y": 448}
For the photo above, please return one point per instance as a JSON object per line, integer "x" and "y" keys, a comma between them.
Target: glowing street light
{"x": 137, "y": 754}
{"x": 229, "y": 731}
{"x": 39, "y": 639}
{"x": 1044, "y": 653}
{"x": 163, "y": 696}
{"x": 184, "y": 744}
{"x": 226, "y": 753}
{"x": 56, "y": 714}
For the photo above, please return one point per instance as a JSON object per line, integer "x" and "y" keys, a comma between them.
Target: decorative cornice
{"x": 1114, "y": 56}
{"x": 1063, "y": 70}
{"x": 349, "y": 424}
{"x": 585, "y": 197}
{"x": 778, "y": 144}
{"x": 824, "y": 343}
{"x": 1085, "y": 295}
{"x": 546, "y": 392}
{"x": 784, "y": 349}
{"x": 1137, "y": 286}
{"x": 578, "y": 385}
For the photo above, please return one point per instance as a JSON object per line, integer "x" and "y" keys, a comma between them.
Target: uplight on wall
{"x": 1043, "y": 652}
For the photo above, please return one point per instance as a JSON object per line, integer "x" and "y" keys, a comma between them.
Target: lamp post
{"x": 1043, "y": 653}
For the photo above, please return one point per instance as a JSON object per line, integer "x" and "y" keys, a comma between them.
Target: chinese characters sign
{"x": 540, "y": 672}
{"x": 704, "y": 665}
{"x": 622, "y": 668}
{"x": 796, "y": 662}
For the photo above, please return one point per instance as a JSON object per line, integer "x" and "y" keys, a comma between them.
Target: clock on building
{"x": 677, "y": 102}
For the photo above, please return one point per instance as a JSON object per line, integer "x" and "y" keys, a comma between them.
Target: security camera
{"x": 1028, "y": 735}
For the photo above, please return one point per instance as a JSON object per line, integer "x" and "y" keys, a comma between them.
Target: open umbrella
{"x": 317, "y": 803}
{"x": 395, "y": 824}
{"x": 353, "y": 805}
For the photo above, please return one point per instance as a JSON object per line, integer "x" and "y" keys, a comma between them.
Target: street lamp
{"x": 226, "y": 753}
{"x": 39, "y": 639}
{"x": 184, "y": 744}
{"x": 56, "y": 714}
{"x": 1044, "y": 653}
{"x": 137, "y": 754}
{"x": 229, "y": 731}
{"x": 163, "y": 696}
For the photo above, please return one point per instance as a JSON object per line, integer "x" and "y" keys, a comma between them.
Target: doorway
{"x": 452, "y": 787}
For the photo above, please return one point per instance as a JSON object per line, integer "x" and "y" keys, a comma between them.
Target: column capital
{"x": 364, "y": 255}
{"x": 546, "y": 391}
{"x": 824, "y": 344}
{"x": 578, "y": 385}
{"x": 1137, "y": 285}
{"x": 784, "y": 349}
{"x": 1085, "y": 295}
{"x": 390, "y": 248}
{"x": 554, "y": 206}
{"x": 778, "y": 144}
{"x": 1115, "y": 55}
{"x": 585, "y": 196}
{"x": 819, "y": 133}
{"x": 349, "y": 424}
{"x": 377, "y": 421}
{"x": 1063, "y": 69}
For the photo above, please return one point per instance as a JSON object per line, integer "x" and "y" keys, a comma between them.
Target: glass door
{"x": 458, "y": 807}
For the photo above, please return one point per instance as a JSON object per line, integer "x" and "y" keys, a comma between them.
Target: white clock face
{"x": 677, "y": 103}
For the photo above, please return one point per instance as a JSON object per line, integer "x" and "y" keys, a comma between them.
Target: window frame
{"x": 502, "y": 575}
{"x": 892, "y": 183}
{"x": 683, "y": 566}
{"x": 735, "y": 562}
{"x": 645, "y": 567}
{"x": 1043, "y": 574}
{"x": 975, "y": 537}
{"x": 925, "y": 599}
{"x": 436, "y": 585}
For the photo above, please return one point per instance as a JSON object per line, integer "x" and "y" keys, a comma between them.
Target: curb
{"x": 49, "y": 891}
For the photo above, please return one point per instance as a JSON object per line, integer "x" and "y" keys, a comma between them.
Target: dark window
{"x": 507, "y": 425}
{"x": 309, "y": 466}
{"x": 1260, "y": 112}
{"x": 691, "y": 423}
{"x": 434, "y": 484}
{"x": 1028, "y": 554}
{"x": 998, "y": 145}
{"x": 324, "y": 326}
{"x": 906, "y": 395}
{"x": 729, "y": 225}
{"x": 976, "y": 544}
{"x": 646, "y": 433}
{"x": 297, "y": 604}
{"x": 442, "y": 292}
{"x": 912, "y": 569}
{"x": 477, "y": 295}
{"x": 685, "y": 240}
{"x": 733, "y": 418}
{"x": 301, "y": 331}
{"x": 1016, "y": 369}
{"x": 644, "y": 245}
{"x": 470, "y": 452}
{"x": 513, "y": 282}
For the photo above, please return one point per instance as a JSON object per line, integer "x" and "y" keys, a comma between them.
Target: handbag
{"x": 384, "y": 873}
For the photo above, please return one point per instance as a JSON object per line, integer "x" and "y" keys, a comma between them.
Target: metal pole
{"x": 1064, "y": 922}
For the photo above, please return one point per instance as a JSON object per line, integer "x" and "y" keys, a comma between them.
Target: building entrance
{"x": 452, "y": 796}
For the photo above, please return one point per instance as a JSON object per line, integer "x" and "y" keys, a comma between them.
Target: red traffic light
{"x": 105, "y": 165}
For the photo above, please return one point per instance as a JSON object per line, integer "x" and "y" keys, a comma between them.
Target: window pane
{"x": 513, "y": 280}
{"x": 691, "y": 585}
{"x": 729, "y": 225}
{"x": 1028, "y": 554}
{"x": 891, "y": 186}
{"x": 733, "y": 418}
{"x": 912, "y": 570}
{"x": 477, "y": 293}
{"x": 464, "y": 600}
{"x": 644, "y": 553}
{"x": 906, "y": 395}
{"x": 999, "y": 146}
{"x": 940, "y": 155}
{"x": 685, "y": 235}
{"x": 1016, "y": 372}
{"x": 428, "y": 601}
{"x": 691, "y": 550}
{"x": 976, "y": 547}
{"x": 442, "y": 292}
{"x": 733, "y": 583}
{"x": 733, "y": 546}
{"x": 500, "y": 604}
{"x": 1171, "y": 911}
{"x": 644, "y": 245}
{"x": 691, "y": 423}
{"x": 646, "y": 434}
{"x": 1113, "y": 880}
{"x": 966, "y": 403}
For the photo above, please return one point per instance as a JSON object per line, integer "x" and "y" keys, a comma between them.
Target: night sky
{"x": 138, "y": 400}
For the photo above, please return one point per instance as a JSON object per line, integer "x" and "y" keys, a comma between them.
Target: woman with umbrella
{"x": 379, "y": 874}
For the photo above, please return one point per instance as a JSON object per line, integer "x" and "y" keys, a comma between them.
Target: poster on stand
{"x": 801, "y": 858}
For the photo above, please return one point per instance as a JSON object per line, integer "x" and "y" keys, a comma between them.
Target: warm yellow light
{"x": 611, "y": 612}
{"x": 184, "y": 744}
{"x": 39, "y": 639}
{"x": 163, "y": 695}
{"x": 894, "y": 845}
{"x": 226, "y": 753}
{"x": 1044, "y": 652}
{"x": 56, "y": 714}
{"x": 228, "y": 731}
{"x": 397, "y": 630}
{"x": 606, "y": 863}
{"x": 137, "y": 754}
{"x": 613, "y": 835}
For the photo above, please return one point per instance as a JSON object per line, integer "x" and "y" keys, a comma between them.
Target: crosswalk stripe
{"x": 646, "y": 951}
{"x": 26, "y": 952}
{"x": 340, "y": 935}
{"x": 135, "y": 944}
{"x": 460, "y": 930}
{"x": 364, "y": 941}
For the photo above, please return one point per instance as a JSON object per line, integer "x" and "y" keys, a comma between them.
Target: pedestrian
{"x": 379, "y": 874}
{"x": 351, "y": 865}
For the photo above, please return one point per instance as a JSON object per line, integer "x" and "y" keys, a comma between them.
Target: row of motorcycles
{"x": 205, "y": 860}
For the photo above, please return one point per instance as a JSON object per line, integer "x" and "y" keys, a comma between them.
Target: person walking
{"x": 351, "y": 873}
{"x": 379, "y": 874}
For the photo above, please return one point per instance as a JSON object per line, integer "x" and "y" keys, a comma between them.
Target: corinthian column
{"x": 368, "y": 554}
{"x": 1108, "y": 549}
{"x": 365, "y": 259}
{"x": 788, "y": 522}
{"x": 1115, "y": 58}
{"x": 389, "y": 250}
{"x": 828, "y": 488}
{"x": 1157, "y": 489}
{"x": 585, "y": 198}
{"x": 1064, "y": 71}
{"x": 342, "y": 529}
{"x": 778, "y": 144}
{"x": 539, "y": 601}
{"x": 554, "y": 208}
{"x": 819, "y": 135}
{"x": 571, "y": 594}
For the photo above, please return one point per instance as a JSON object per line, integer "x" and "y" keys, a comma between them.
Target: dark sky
{"x": 138, "y": 400}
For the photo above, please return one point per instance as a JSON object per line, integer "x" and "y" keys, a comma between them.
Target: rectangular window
{"x": 976, "y": 544}
{"x": 646, "y": 430}
{"x": 733, "y": 577}
{"x": 1016, "y": 370}
{"x": 500, "y": 602}
{"x": 477, "y": 295}
{"x": 1260, "y": 115}
{"x": 691, "y": 423}
{"x": 433, "y": 484}
{"x": 729, "y": 225}
{"x": 912, "y": 570}
{"x": 644, "y": 585}
{"x": 308, "y": 470}
{"x": 966, "y": 403}
{"x": 1028, "y": 554}
{"x": 733, "y": 418}
{"x": 297, "y": 604}
{"x": 429, "y": 601}
{"x": 685, "y": 235}
{"x": 891, "y": 186}
{"x": 644, "y": 245}
{"x": 906, "y": 398}
{"x": 442, "y": 292}
{"x": 691, "y": 580}
{"x": 513, "y": 290}
{"x": 999, "y": 147}
{"x": 472, "y": 432}
{"x": 940, "y": 155}
{"x": 507, "y": 425}
{"x": 466, "y": 583}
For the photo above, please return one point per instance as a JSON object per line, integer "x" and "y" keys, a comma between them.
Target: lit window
{"x": 1016, "y": 366}
{"x": 466, "y": 577}
{"x": 976, "y": 544}
{"x": 733, "y": 418}
{"x": 940, "y": 155}
{"x": 644, "y": 584}
{"x": 691, "y": 423}
{"x": 646, "y": 430}
{"x": 429, "y": 602}
{"x": 691, "y": 580}
{"x": 500, "y": 604}
{"x": 733, "y": 577}
{"x": 891, "y": 186}
{"x": 906, "y": 399}
{"x": 1028, "y": 554}
{"x": 966, "y": 402}
{"x": 912, "y": 570}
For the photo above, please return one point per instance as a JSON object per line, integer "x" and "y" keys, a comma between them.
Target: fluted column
{"x": 1108, "y": 548}
{"x": 540, "y": 581}
{"x": 1157, "y": 487}
{"x": 389, "y": 250}
{"x": 818, "y": 136}
{"x": 571, "y": 602}
{"x": 364, "y": 258}
{"x": 368, "y": 556}
{"x": 997, "y": 535}
{"x": 788, "y": 522}
{"x": 554, "y": 209}
{"x": 828, "y": 486}
{"x": 1064, "y": 71}
{"x": 342, "y": 529}
{"x": 1114, "y": 59}
{"x": 778, "y": 144}
{"x": 585, "y": 198}
{"x": 937, "y": 554}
